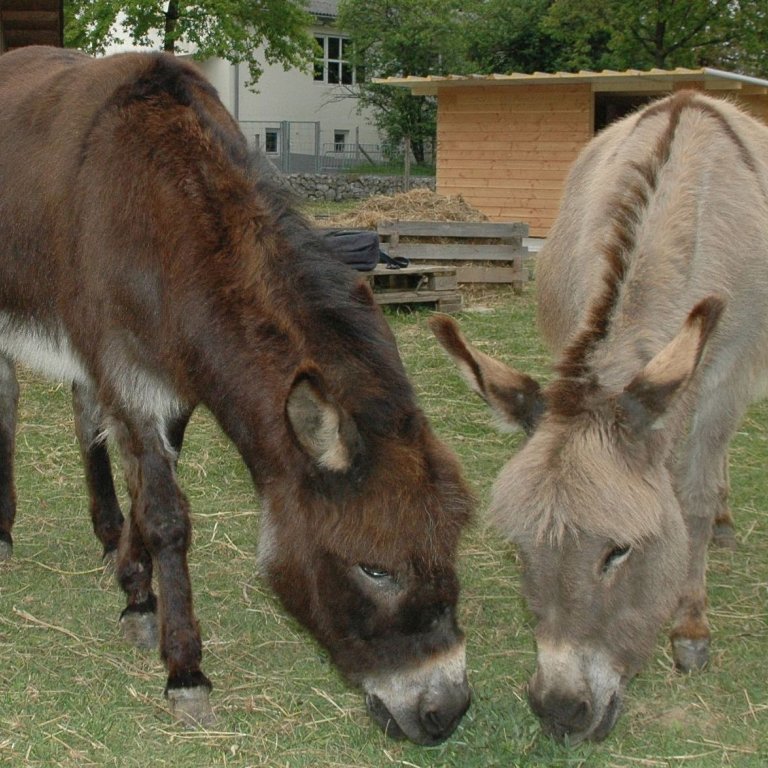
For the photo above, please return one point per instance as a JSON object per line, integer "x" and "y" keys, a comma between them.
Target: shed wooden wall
{"x": 755, "y": 103}
{"x": 30, "y": 22}
{"x": 507, "y": 150}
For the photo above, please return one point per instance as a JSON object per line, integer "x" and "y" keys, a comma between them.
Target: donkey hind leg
{"x": 702, "y": 486}
{"x": 138, "y": 621}
{"x": 723, "y": 531}
{"x": 9, "y": 401}
{"x": 158, "y": 538}
{"x": 106, "y": 517}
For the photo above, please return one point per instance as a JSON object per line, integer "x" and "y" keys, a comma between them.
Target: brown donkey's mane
{"x": 327, "y": 313}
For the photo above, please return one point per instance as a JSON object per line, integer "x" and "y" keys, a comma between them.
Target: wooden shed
{"x": 506, "y": 142}
{"x": 30, "y": 22}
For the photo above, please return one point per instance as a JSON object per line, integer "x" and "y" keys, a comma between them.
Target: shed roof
{"x": 629, "y": 80}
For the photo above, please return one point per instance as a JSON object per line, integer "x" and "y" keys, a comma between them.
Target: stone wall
{"x": 312, "y": 186}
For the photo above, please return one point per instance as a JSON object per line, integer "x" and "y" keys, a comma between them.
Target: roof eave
{"x": 651, "y": 81}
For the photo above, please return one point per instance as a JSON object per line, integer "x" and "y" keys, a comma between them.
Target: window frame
{"x": 334, "y": 67}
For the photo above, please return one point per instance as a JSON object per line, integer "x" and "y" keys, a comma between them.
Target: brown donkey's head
{"x": 589, "y": 503}
{"x": 360, "y": 544}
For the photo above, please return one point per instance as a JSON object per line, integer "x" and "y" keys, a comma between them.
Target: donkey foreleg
{"x": 702, "y": 488}
{"x": 723, "y": 529}
{"x": 157, "y": 538}
{"x": 106, "y": 516}
{"x": 690, "y": 629}
{"x": 9, "y": 401}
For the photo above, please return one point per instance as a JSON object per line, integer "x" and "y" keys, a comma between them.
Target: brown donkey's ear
{"x": 324, "y": 430}
{"x": 646, "y": 399}
{"x": 514, "y": 397}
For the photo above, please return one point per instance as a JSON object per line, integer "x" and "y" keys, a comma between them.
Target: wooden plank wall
{"x": 507, "y": 150}
{"x": 757, "y": 105}
{"x": 31, "y": 22}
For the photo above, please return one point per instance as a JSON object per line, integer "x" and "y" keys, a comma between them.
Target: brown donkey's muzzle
{"x": 434, "y": 720}
{"x": 423, "y": 703}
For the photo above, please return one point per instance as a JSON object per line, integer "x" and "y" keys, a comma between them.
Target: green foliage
{"x": 236, "y": 30}
{"x": 509, "y": 36}
{"x": 552, "y": 35}
{"x": 617, "y": 34}
{"x": 397, "y": 38}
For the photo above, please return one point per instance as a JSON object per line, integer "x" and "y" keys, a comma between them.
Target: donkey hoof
{"x": 191, "y": 706}
{"x": 6, "y": 550}
{"x": 691, "y": 654}
{"x": 724, "y": 536}
{"x": 140, "y": 629}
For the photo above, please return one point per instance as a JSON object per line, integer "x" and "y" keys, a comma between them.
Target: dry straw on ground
{"x": 415, "y": 205}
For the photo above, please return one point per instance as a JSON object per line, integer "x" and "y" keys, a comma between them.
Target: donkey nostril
{"x": 440, "y": 724}
{"x": 441, "y": 721}
{"x": 581, "y": 714}
{"x": 562, "y": 714}
{"x": 432, "y": 722}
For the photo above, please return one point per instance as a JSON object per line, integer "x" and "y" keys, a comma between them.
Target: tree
{"x": 748, "y": 51}
{"x": 234, "y": 30}
{"x": 508, "y": 36}
{"x": 619, "y": 34}
{"x": 398, "y": 38}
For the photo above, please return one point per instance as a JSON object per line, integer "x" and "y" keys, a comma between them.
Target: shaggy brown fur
{"x": 147, "y": 256}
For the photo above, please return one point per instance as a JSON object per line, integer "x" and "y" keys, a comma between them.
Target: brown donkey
{"x": 145, "y": 256}
{"x": 653, "y": 289}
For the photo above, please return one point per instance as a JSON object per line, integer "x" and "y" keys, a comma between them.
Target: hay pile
{"x": 415, "y": 205}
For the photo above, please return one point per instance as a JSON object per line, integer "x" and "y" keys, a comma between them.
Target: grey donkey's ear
{"x": 646, "y": 399}
{"x": 514, "y": 397}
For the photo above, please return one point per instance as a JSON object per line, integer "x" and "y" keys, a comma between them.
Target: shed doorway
{"x": 610, "y": 107}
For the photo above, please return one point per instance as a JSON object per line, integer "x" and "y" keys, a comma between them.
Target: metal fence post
{"x": 285, "y": 130}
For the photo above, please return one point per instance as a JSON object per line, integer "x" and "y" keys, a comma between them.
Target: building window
{"x": 332, "y": 67}
{"x": 340, "y": 140}
{"x": 271, "y": 141}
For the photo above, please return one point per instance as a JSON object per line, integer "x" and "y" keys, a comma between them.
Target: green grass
{"x": 73, "y": 694}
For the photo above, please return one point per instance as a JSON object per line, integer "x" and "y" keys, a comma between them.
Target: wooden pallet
{"x": 417, "y": 284}
{"x": 482, "y": 252}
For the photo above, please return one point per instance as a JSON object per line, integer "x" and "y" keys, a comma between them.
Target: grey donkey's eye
{"x": 615, "y": 557}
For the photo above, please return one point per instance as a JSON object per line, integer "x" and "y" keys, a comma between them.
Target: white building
{"x": 305, "y": 121}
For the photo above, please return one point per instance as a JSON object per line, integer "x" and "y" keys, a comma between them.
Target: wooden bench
{"x": 482, "y": 252}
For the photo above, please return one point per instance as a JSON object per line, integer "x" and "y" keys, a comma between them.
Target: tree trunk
{"x": 171, "y": 18}
{"x": 417, "y": 147}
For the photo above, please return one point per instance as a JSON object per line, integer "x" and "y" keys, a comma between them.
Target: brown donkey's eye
{"x": 615, "y": 557}
{"x": 374, "y": 572}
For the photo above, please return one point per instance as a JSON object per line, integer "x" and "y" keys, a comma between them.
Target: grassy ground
{"x": 74, "y": 695}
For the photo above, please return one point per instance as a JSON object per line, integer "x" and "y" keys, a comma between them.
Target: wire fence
{"x": 303, "y": 147}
